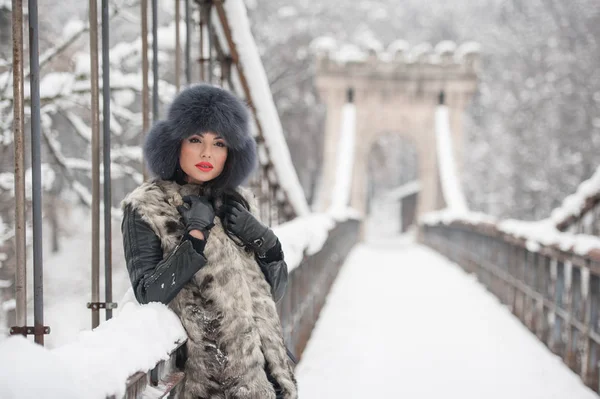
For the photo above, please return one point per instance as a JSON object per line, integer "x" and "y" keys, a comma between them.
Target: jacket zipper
{"x": 160, "y": 272}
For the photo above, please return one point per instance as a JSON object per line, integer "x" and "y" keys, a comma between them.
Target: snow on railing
{"x": 305, "y": 235}
{"x": 575, "y": 208}
{"x": 98, "y": 363}
{"x": 340, "y": 194}
{"x": 452, "y": 191}
{"x": 243, "y": 49}
{"x": 535, "y": 234}
{"x": 405, "y": 190}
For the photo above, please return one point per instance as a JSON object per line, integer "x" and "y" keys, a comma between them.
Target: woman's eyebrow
{"x": 217, "y": 137}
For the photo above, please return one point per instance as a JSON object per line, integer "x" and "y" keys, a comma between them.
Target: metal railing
{"x": 216, "y": 65}
{"x": 555, "y": 293}
{"x": 310, "y": 282}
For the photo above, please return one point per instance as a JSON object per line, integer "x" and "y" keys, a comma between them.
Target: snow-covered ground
{"x": 404, "y": 322}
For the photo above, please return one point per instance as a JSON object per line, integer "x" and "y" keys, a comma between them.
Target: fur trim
{"x": 198, "y": 109}
{"x": 234, "y": 332}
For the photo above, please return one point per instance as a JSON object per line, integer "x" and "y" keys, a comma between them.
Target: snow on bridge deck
{"x": 401, "y": 321}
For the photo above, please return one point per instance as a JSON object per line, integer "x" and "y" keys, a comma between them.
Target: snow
{"x": 418, "y": 52}
{"x": 453, "y": 194}
{"x": 166, "y": 36}
{"x": 73, "y": 28}
{"x": 306, "y": 235}
{"x": 467, "y": 48}
{"x": 55, "y": 84}
{"x": 574, "y": 203}
{"x": 323, "y": 44}
{"x": 263, "y": 101}
{"x": 447, "y": 216}
{"x": 426, "y": 330}
{"x": 98, "y": 363}
{"x": 348, "y": 53}
{"x": 123, "y": 98}
{"x": 9, "y": 305}
{"x": 340, "y": 194}
{"x": 398, "y": 47}
{"x": 405, "y": 190}
{"x": 5, "y": 234}
{"x": 128, "y": 153}
{"x": 445, "y": 46}
{"x": 303, "y": 236}
{"x": 287, "y": 12}
{"x": 81, "y": 128}
{"x": 3, "y": 229}
{"x": 82, "y": 64}
{"x": 544, "y": 232}
{"x": 369, "y": 42}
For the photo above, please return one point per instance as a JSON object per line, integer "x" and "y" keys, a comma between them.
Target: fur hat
{"x": 197, "y": 109}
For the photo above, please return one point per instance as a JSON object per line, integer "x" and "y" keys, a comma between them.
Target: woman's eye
{"x": 194, "y": 140}
{"x": 220, "y": 144}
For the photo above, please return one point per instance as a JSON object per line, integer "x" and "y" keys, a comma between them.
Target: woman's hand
{"x": 198, "y": 216}
{"x": 241, "y": 223}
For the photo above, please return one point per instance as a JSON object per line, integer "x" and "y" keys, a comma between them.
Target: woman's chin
{"x": 203, "y": 177}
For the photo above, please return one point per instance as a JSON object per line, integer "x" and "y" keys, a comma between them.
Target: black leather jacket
{"x": 151, "y": 275}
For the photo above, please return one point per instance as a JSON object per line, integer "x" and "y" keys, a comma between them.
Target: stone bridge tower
{"x": 396, "y": 92}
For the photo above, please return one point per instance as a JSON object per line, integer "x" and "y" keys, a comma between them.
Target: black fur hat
{"x": 198, "y": 109}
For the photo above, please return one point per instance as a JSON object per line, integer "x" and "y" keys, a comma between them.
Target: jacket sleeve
{"x": 153, "y": 278}
{"x": 275, "y": 270}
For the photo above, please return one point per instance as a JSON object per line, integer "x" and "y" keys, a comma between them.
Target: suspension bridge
{"x": 470, "y": 306}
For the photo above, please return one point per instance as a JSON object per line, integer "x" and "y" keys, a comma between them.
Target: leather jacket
{"x": 151, "y": 275}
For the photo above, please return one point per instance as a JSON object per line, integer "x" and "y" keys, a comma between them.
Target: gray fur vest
{"x": 234, "y": 332}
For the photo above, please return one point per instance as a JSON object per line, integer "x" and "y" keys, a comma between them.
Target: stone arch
{"x": 398, "y": 94}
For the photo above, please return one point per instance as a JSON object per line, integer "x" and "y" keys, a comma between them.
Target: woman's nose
{"x": 205, "y": 152}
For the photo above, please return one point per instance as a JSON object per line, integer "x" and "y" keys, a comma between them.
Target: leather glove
{"x": 198, "y": 214}
{"x": 241, "y": 223}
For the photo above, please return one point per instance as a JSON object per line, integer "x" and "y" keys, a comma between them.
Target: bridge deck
{"x": 403, "y": 322}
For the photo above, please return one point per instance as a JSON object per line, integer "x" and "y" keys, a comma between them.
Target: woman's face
{"x": 202, "y": 157}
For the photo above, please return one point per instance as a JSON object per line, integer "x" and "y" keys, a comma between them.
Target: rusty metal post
{"x": 201, "y": 59}
{"x": 177, "y": 46}
{"x": 188, "y": 43}
{"x": 95, "y": 122}
{"x": 155, "y": 60}
{"x": 208, "y": 7}
{"x": 145, "y": 89}
{"x": 19, "y": 150}
{"x": 226, "y": 71}
{"x": 106, "y": 155}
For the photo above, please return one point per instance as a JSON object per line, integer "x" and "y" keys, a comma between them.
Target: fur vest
{"x": 234, "y": 331}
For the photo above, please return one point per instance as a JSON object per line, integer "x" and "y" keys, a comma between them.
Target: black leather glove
{"x": 241, "y": 223}
{"x": 198, "y": 215}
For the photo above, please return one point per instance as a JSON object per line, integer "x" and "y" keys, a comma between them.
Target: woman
{"x": 192, "y": 241}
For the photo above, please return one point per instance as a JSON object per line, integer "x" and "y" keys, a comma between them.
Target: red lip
{"x": 205, "y": 166}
